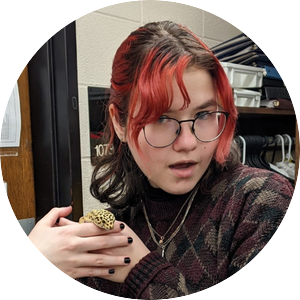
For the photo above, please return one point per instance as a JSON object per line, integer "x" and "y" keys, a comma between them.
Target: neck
{"x": 162, "y": 206}
{"x": 162, "y": 239}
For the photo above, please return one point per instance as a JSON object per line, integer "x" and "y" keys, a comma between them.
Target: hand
{"x": 135, "y": 251}
{"x": 70, "y": 248}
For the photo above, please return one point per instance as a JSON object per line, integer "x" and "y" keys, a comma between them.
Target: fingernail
{"x": 122, "y": 226}
{"x": 126, "y": 260}
{"x": 130, "y": 240}
{"x": 111, "y": 271}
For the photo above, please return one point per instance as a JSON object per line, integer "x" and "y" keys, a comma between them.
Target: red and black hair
{"x": 143, "y": 69}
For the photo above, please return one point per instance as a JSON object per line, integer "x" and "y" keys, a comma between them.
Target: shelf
{"x": 265, "y": 111}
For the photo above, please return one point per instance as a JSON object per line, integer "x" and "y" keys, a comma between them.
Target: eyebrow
{"x": 211, "y": 102}
{"x": 208, "y": 103}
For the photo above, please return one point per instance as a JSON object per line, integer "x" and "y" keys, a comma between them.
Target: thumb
{"x": 54, "y": 214}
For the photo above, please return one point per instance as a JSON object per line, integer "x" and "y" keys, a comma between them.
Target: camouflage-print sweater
{"x": 222, "y": 233}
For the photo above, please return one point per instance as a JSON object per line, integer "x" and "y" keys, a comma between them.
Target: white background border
{"x": 26, "y": 25}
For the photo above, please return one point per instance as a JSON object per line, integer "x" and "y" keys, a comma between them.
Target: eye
{"x": 202, "y": 115}
{"x": 162, "y": 120}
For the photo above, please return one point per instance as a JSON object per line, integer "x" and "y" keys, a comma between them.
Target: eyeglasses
{"x": 207, "y": 127}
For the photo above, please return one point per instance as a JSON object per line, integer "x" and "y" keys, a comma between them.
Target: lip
{"x": 183, "y": 169}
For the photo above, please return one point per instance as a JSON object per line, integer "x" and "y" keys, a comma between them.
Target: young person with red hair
{"x": 189, "y": 214}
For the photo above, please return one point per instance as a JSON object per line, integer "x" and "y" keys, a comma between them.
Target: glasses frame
{"x": 192, "y": 128}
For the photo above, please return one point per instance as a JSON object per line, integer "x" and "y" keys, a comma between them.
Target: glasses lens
{"x": 209, "y": 126}
{"x": 161, "y": 133}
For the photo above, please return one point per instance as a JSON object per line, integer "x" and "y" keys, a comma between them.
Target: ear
{"x": 120, "y": 130}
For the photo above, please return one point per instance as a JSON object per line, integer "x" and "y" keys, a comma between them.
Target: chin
{"x": 181, "y": 188}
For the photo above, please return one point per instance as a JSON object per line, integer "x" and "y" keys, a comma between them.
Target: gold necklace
{"x": 161, "y": 243}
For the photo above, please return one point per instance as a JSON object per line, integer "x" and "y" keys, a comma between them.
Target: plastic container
{"x": 246, "y": 98}
{"x": 241, "y": 76}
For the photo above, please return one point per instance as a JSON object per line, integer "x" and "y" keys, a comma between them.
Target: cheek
{"x": 209, "y": 149}
{"x": 142, "y": 157}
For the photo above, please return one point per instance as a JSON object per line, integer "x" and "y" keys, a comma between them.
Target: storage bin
{"x": 241, "y": 76}
{"x": 246, "y": 98}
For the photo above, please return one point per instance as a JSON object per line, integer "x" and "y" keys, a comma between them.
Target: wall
{"x": 100, "y": 33}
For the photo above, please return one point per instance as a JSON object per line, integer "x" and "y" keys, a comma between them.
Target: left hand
{"x": 70, "y": 246}
{"x": 135, "y": 251}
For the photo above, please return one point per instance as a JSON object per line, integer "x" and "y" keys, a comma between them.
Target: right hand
{"x": 69, "y": 245}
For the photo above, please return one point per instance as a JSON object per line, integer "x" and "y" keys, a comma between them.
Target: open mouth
{"x": 183, "y": 169}
{"x": 180, "y": 166}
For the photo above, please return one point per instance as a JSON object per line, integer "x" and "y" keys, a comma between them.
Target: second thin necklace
{"x": 162, "y": 243}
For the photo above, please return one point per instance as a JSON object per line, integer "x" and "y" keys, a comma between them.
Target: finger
{"x": 54, "y": 214}
{"x": 64, "y": 222}
{"x": 90, "y": 229}
{"x": 102, "y": 260}
{"x": 103, "y": 242}
{"x": 93, "y": 272}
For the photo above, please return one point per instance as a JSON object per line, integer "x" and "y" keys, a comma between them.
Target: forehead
{"x": 200, "y": 88}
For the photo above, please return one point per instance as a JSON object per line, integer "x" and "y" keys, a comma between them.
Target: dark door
{"x": 55, "y": 124}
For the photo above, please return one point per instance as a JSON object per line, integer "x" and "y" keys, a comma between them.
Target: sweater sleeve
{"x": 154, "y": 278}
{"x": 266, "y": 201}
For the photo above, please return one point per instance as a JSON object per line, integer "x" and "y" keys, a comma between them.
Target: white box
{"x": 246, "y": 98}
{"x": 241, "y": 76}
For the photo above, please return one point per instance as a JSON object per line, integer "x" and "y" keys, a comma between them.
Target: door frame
{"x": 53, "y": 90}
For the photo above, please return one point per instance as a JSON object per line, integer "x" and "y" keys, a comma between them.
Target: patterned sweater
{"x": 224, "y": 230}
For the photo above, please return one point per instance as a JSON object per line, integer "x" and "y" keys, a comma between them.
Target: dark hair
{"x": 143, "y": 68}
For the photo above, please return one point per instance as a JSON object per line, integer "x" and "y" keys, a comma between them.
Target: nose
{"x": 186, "y": 141}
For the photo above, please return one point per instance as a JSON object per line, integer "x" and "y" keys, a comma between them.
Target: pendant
{"x": 163, "y": 252}
{"x": 161, "y": 240}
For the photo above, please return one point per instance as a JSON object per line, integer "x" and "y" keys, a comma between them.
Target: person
{"x": 189, "y": 214}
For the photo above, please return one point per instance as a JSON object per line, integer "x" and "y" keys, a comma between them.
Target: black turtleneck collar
{"x": 159, "y": 195}
{"x": 162, "y": 206}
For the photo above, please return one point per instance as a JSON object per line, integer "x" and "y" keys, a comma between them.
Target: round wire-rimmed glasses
{"x": 207, "y": 127}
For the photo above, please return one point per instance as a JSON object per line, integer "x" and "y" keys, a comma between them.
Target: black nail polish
{"x": 130, "y": 240}
{"x": 126, "y": 260}
{"x": 122, "y": 226}
{"x": 111, "y": 271}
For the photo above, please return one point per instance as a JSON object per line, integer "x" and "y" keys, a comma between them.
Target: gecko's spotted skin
{"x": 101, "y": 218}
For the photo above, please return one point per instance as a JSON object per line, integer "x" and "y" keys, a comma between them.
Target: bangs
{"x": 152, "y": 93}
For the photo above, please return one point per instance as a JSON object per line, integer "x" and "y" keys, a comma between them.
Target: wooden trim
{"x": 265, "y": 111}
{"x": 17, "y": 170}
